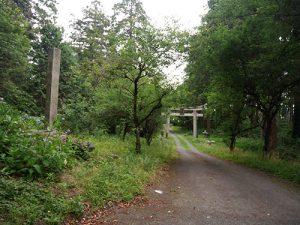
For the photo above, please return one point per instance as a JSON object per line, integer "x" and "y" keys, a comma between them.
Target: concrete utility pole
{"x": 52, "y": 86}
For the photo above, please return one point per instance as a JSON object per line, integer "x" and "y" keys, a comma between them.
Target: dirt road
{"x": 204, "y": 190}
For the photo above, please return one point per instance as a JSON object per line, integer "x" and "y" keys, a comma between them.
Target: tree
{"x": 14, "y": 48}
{"x": 251, "y": 44}
{"x": 296, "y": 116}
{"x": 91, "y": 41}
{"x": 138, "y": 58}
{"x": 230, "y": 110}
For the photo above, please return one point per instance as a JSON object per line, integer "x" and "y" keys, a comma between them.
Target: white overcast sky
{"x": 187, "y": 12}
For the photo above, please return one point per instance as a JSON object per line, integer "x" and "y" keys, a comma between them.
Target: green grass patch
{"x": 248, "y": 156}
{"x": 115, "y": 173}
{"x": 250, "y": 144}
{"x": 112, "y": 173}
{"x": 23, "y": 202}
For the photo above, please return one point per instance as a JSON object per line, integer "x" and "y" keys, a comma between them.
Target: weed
{"x": 25, "y": 153}
{"x": 24, "y": 202}
{"x": 116, "y": 173}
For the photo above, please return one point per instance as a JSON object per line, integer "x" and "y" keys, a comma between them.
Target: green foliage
{"x": 138, "y": 55}
{"x": 249, "y": 144}
{"x": 49, "y": 36}
{"x": 26, "y": 153}
{"x": 31, "y": 203}
{"x": 113, "y": 173}
{"x": 78, "y": 116}
{"x": 13, "y": 124}
{"x": 90, "y": 38}
{"x": 14, "y": 49}
{"x": 37, "y": 156}
{"x": 289, "y": 147}
{"x": 247, "y": 47}
{"x": 152, "y": 126}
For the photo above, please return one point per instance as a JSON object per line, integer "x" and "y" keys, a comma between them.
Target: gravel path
{"x": 201, "y": 189}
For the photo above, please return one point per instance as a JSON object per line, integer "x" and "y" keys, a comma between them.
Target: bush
{"x": 78, "y": 116}
{"x": 249, "y": 144}
{"x": 289, "y": 148}
{"x": 12, "y": 125}
{"x": 35, "y": 156}
{"x": 25, "y": 153}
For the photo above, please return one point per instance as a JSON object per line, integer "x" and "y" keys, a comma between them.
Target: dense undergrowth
{"x": 42, "y": 179}
{"x": 27, "y": 152}
{"x": 248, "y": 153}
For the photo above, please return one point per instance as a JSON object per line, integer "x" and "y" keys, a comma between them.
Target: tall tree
{"x": 140, "y": 53}
{"x": 252, "y": 46}
{"x": 14, "y": 49}
{"x": 90, "y": 39}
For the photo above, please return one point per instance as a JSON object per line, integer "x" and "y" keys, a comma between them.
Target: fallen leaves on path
{"x": 99, "y": 216}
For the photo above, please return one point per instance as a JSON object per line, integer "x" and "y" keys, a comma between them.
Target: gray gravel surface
{"x": 203, "y": 190}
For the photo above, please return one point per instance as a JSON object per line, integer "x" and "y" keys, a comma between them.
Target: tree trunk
{"x": 232, "y": 143}
{"x": 137, "y": 141}
{"x": 136, "y": 118}
{"x": 149, "y": 140}
{"x": 270, "y": 136}
{"x": 125, "y": 131}
{"x": 296, "y": 117}
{"x": 208, "y": 124}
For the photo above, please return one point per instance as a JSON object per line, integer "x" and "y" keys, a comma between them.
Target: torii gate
{"x": 186, "y": 112}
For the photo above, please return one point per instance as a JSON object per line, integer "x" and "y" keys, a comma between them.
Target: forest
{"x": 243, "y": 63}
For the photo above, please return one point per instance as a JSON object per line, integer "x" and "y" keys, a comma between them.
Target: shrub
{"x": 249, "y": 144}
{"x": 13, "y": 124}
{"x": 289, "y": 148}
{"x": 35, "y": 156}
{"x": 24, "y": 153}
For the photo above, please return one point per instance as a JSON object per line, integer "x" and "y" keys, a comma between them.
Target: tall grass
{"x": 115, "y": 173}
{"x": 112, "y": 173}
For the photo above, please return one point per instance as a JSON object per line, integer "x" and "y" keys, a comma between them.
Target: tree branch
{"x": 156, "y": 107}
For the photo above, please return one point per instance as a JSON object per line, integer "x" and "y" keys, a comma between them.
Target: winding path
{"x": 203, "y": 190}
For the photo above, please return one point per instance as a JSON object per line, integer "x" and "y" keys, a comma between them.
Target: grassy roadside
{"x": 112, "y": 174}
{"x": 115, "y": 173}
{"x": 285, "y": 169}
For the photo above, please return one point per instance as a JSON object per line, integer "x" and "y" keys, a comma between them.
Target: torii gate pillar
{"x": 195, "y": 131}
